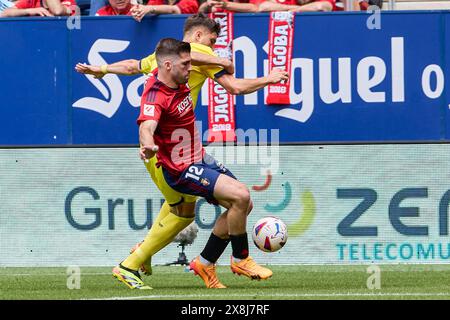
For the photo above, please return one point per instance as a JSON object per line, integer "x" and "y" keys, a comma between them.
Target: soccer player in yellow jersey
{"x": 178, "y": 211}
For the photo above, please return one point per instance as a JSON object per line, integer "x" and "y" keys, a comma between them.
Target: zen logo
{"x": 396, "y": 212}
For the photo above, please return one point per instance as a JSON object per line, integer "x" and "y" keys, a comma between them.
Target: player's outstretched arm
{"x": 125, "y": 67}
{"x": 199, "y": 59}
{"x": 146, "y": 131}
{"x": 246, "y": 86}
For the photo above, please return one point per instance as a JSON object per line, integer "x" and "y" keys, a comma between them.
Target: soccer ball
{"x": 269, "y": 234}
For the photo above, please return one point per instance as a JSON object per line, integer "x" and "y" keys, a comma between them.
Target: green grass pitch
{"x": 288, "y": 282}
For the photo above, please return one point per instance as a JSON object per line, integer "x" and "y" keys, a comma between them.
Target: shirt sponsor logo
{"x": 185, "y": 104}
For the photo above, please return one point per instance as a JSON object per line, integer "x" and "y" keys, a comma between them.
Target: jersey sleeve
{"x": 210, "y": 71}
{"x": 148, "y": 64}
{"x": 188, "y": 6}
{"x": 152, "y": 104}
{"x": 150, "y": 110}
{"x": 213, "y": 72}
{"x": 23, "y": 4}
{"x": 155, "y": 2}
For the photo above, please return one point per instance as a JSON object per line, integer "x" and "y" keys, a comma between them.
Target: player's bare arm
{"x": 125, "y": 67}
{"x": 246, "y": 86}
{"x": 148, "y": 148}
{"x": 131, "y": 67}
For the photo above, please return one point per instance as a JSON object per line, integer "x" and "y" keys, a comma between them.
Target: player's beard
{"x": 182, "y": 79}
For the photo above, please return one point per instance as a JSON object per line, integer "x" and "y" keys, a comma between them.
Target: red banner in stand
{"x": 221, "y": 117}
{"x": 281, "y": 36}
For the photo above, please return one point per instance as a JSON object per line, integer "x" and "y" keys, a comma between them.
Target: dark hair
{"x": 201, "y": 20}
{"x": 170, "y": 46}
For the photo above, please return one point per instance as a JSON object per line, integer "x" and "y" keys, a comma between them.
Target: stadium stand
{"x": 418, "y": 5}
{"x": 84, "y": 5}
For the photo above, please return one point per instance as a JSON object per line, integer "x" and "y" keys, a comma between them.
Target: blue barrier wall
{"x": 391, "y": 81}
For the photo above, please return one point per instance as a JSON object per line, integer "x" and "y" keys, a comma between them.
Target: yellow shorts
{"x": 172, "y": 196}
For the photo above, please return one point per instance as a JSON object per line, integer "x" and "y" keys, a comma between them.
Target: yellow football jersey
{"x": 198, "y": 74}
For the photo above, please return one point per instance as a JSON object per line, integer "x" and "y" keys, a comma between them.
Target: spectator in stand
{"x": 43, "y": 8}
{"x": 365, "y": 4}
{"x": 5, "y": 4}
{"x": 359, "y": 5}
{"x": 116, "y": 8}
{"x": 97, "y": 5}
{"x": 317, "y": 5}
{"x": 165, "y": 7}
{"x": 138, "y": 11}
{"x": 268, "y": 5}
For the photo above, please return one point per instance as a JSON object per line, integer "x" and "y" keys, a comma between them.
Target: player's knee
{"x": 243, "y": 197}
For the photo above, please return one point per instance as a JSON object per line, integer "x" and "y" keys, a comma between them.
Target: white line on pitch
{"x": 294, "y": 295}
{"x": 52, "y": 274}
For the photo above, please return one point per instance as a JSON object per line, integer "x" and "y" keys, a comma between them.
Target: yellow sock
{"x": 159, "y": 236}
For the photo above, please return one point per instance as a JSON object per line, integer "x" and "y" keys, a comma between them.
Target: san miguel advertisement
{"x": 361, "y": 77}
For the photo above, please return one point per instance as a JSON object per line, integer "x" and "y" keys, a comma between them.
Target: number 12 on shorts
{"x": 194, "y": 173}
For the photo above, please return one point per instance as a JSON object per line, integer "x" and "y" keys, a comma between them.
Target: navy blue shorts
{"x": 199, "y": 179}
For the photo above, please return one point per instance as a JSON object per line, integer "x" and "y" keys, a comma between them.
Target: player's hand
{"x": 148, "y": 152}
{"x": 87, "y": 69}
{"x": 277, "y": 75}
{"x": 228, "y": 65}
{"x": 39, "y": 12}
